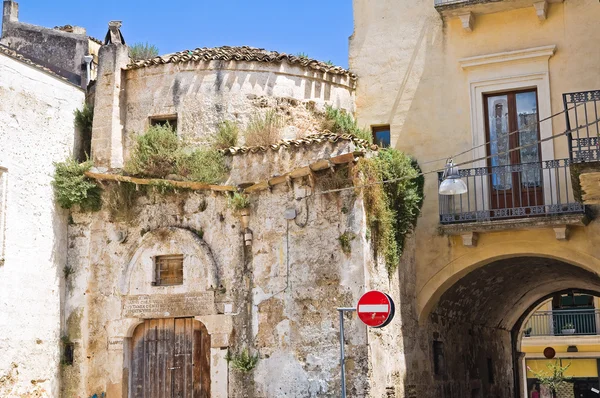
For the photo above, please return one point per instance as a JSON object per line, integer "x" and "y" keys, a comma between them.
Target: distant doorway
{"x": 170, "y": 359}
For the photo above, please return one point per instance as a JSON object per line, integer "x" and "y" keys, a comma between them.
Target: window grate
{"x": 169, "y": 270}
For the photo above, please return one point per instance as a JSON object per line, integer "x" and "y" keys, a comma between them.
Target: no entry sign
{"x": 375, "y": 309}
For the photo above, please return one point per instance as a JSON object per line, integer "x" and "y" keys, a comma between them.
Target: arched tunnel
{"x": 476, "y": 322}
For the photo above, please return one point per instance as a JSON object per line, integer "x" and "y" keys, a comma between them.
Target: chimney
{"x": 10, "y": 13}
{"x": 107, "y": 127}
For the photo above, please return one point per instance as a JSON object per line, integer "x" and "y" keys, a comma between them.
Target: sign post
{"x": 342, "y": 352}
{"x": 375, "y": 309}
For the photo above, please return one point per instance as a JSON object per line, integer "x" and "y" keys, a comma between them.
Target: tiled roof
{"x": 96, "y": 40}
{"x": 246, "y": 54}
{"x": 317, "y": 138}
{"x": 20, "y": 57}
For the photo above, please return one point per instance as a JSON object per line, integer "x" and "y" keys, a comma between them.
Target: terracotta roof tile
{"x": 317, "y": 138}
{"x": 244, "y": 53}
{"x": 96, "y": 40}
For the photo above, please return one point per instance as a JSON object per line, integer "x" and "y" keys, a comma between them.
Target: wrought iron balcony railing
{"x": 582, "y": 113}
{"x": 563, "y": 323}
{"x": 512, "y": 191}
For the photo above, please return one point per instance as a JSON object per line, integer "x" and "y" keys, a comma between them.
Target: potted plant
{"x": 553, "y": 378}
{"x": 568, "y": 328}
{"x": 527, "y": 332}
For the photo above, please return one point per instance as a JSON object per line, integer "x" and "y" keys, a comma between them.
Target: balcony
{"x": 582, "y": 113}
{"x": 466, "y": 10}
{"x": 513, "y": 196}
{"x": 563, "y": 323}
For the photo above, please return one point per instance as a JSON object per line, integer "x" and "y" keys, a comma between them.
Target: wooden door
{"x": 170, "y": 359}
{"x": 515, "y": 165}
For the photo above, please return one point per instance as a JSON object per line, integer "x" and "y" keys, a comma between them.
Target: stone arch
{"x": 202, "y": 270}
{"x": 430, "y": 294}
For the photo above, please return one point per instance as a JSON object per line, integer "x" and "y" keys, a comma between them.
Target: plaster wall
{"x": 277, "y": 297}
{"x": 36, "y": 129}
{"x": 419, "y": 83}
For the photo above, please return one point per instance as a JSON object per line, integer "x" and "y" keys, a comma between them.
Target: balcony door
{"x": 515, "y": 176}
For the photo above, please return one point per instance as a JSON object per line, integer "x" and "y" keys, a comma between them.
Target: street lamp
{"x": 451, "y": 182}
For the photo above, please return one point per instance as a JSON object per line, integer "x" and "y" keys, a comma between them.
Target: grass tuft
{"x": 264, "y": 129}
{"x": 159, "y": 153}
{"x": 226, "y": 135}
{"x": 341, "y": 122}
{"x": 142, "y": 51}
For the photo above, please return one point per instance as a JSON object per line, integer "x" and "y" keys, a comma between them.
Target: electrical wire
{"x": 537, "y": 142}
{"x": 508, "y": 135}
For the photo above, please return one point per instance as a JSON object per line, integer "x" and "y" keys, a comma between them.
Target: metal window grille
{"x": 169, "y": 270}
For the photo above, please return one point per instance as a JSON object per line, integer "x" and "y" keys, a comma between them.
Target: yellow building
{"x": 569, "y": 325}
{"x": 467, "y": 80}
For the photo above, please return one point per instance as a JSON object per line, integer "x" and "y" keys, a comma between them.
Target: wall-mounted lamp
{"x": 452, "y": 184}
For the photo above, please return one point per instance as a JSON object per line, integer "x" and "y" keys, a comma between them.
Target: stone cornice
{"x": 508, "y": 56}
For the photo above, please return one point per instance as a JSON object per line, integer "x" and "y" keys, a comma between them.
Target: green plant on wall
{"x": 345, "y": 240}
{"x": 392, "y": 208}
{"x": 244, "y": 361}
{"x": 72, "y": 187}
{"x": 264, "y": 129}
{"x": 226, "y": 135}
{"x": 554, "y": 377}
{"x": 141, "y": 51}
{"x": 239, "y": 201}
{"x": 159, "y": 153}
{"x": 341, "y": 122}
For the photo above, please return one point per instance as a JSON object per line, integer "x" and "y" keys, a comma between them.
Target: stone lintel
{"x": 558, "y": 223}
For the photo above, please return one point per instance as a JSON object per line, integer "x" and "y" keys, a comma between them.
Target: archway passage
{"x": 170, "y": 359}
{"x": 475, "y": 325}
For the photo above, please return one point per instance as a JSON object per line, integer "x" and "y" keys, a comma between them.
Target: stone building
{"x": 164, "y": 297}
{"x": 455, "y": 79}
{"x": 36, "y": 129}
{"x": 65, "y": 50}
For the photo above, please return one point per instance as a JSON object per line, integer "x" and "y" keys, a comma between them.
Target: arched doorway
{"x": 170, "y": 358}
{"x": 476, "y": 322}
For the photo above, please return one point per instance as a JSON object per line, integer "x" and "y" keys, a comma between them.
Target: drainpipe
{"x": 88, "y": 61}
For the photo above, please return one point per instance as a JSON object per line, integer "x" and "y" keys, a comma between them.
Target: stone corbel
{"x": 469, "y": 239}
{"x": 561, "y": 232}
{"x": 541, "y": 9}
{"x": 467, "y": 20}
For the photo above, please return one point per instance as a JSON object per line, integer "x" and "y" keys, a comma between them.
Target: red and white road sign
{"x": 375, "y": 309}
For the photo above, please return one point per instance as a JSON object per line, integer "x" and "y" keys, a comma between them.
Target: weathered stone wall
{"x": 283, "y": 290}
{"x": 203, "y": 94}
{"x": 36, "y": 129}
{"x": 59, "y": 51}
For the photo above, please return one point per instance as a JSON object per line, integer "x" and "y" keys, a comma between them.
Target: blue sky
{"x": 318, "y": 28}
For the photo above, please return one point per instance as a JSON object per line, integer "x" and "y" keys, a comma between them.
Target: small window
{"x": 169, "y": 270}
{"x": 170, "y": 121}
{"x": 382, "y": 136}
{"x": 490, "y": 369}
{"x": 439, "y": 366}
